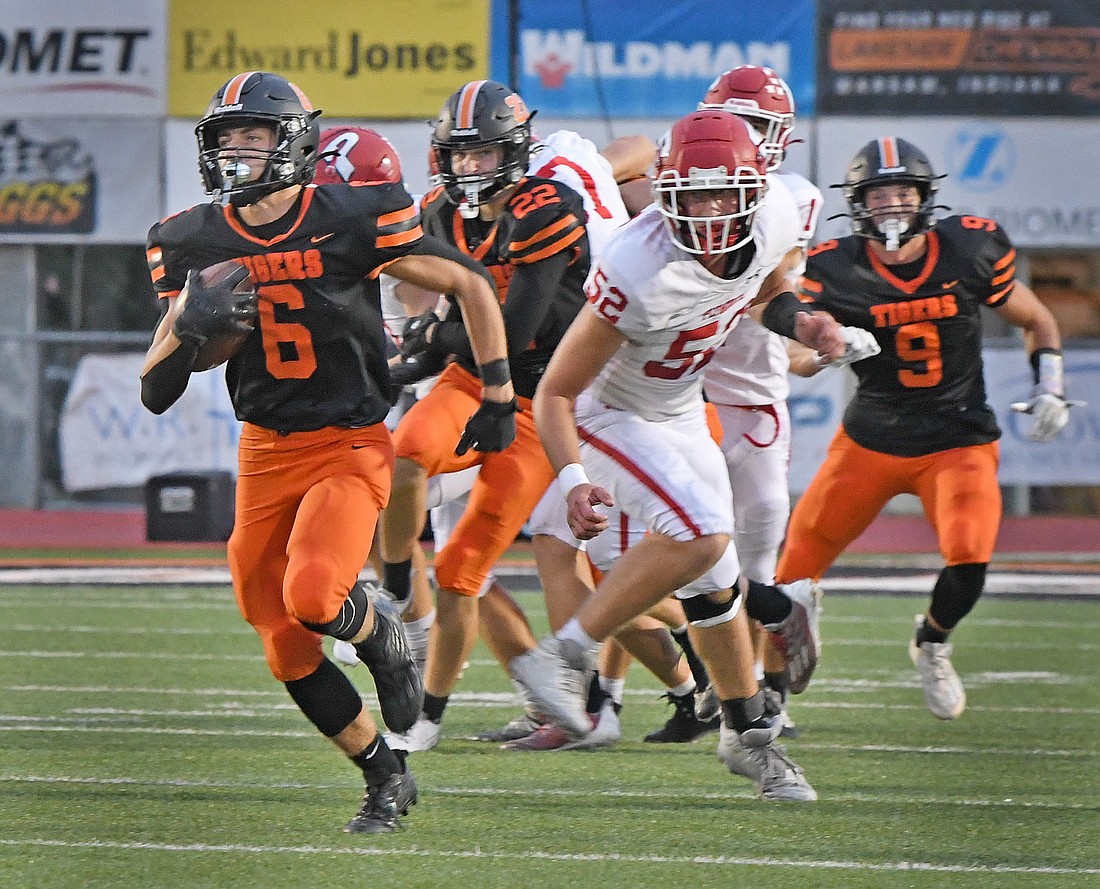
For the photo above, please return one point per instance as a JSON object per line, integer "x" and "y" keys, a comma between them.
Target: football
{"x": 217, "y": 350}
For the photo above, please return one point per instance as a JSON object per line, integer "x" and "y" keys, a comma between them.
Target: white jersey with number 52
{"x": 673, "y": 312}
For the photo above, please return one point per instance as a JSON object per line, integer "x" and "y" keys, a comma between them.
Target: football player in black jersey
{"x": 919, "y": 422}
{"x": 530, "y": 234}
{"x": 312, "y": 386}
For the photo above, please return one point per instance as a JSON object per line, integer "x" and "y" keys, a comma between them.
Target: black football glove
{"x": 492, "y": 428}
{"x": 414, "y": 338}
{"x": 412, "y": 370}
{"x": 216, "y": 310}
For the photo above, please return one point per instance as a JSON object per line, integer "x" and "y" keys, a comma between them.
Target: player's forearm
{"x": 556, "y": 427}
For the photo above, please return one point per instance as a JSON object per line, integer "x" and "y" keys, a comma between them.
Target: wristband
{"x": 570, "y": 476}
{"x": 495, "y": 373}
{"x": 780, "y": 312}
{"x": 1047, "y": 370}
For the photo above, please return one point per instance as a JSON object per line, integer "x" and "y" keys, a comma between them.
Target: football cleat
{"x": 683, "y": 726}
{"x": 520, "y": 727}
{"x": 775, "y": 774}
{"x": 797, "y": 636}
{"x": 944, "y": 694}
{"x": 707, "y": 705}
{"x": 397, "y": 679}
{"x": 554, "y": 676}
{"x": 776, "y": 702}
{"x": 606, "y": 730}
{"x": 383, "y": 804}
{"x": 424, "y": 735}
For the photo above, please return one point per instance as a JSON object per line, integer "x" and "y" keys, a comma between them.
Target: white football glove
{"x": 1049, "y": 413}
{"x": 858, "y": 344}
{"x": 1048, "y": 406}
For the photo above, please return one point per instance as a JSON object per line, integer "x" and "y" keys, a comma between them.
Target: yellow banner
{"x": 353, "y": 58}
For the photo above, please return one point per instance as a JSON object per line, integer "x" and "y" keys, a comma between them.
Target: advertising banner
{"x": 1073, "y": 458}
{"x": 1033, "y": 176}
{"x": 621, "y": 58}
{"x": 986, "y": 57}
{"x": 108, "y": 439}
{"x": 66, "y": 58}
{"x": 78, "y": 179}
{"x": 353, "y": 58}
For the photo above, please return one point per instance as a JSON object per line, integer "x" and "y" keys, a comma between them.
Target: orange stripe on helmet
{"x": 888, "y": 152}
{"x": 235, "y": 87}
{"x": 302, "y": 97}
{"x": 464, "y": 114}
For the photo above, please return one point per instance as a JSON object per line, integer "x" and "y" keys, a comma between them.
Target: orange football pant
{"x": 307, "y": 505}
{"x": 957, "y": 488}
{"x": 508, "y": 485}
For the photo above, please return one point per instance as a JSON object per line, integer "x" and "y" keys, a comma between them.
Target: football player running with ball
{"x": 919, "y": 422}
{"x": 312, "y": 386}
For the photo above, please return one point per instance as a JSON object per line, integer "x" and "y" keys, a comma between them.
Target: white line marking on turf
{"x": 533, "y": 855}
{"x": 561, "y": 792}
{"x": 60, "y": 724}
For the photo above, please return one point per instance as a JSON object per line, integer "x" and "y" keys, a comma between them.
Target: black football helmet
{"x": 482, "y": 113}
{"x": 266, "y": 98}
{"x": 888, "y": 161}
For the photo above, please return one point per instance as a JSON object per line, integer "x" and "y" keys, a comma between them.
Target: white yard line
{"x": 490, "y": 855}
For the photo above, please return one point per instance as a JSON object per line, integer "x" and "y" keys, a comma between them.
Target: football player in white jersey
{"x": 622, "y": 399}
{"x": 747, "y": 380}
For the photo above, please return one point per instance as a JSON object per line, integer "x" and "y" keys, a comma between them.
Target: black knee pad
{"x": 347, "y": 624}
{"x": 702, "y": 612}
{"x": 327, "y": 698}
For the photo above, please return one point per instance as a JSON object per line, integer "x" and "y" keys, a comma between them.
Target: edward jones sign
{"x": 353, "y": 58}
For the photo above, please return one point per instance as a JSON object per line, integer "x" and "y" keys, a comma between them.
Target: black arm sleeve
{"x": 530, "y": 295}
{"x": 430, "y": 245}
{"x": 165, "y": 382}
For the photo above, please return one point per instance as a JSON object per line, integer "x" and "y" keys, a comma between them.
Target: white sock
{"x": 416, "y": 631}
{"x": 575, "y": 632}
{"x": 684, "y": 688}
{"x": 613, "y": 688}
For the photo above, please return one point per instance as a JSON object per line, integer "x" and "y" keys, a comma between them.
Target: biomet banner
{"x": 58, "y": 57}
{"x": 353, "y": 58}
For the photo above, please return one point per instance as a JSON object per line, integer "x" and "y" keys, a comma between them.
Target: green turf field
{"x": 146, "y": 745}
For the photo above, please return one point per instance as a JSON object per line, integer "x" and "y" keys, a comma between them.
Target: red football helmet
{"x": 763, "y": 98}
{"x": 710, "y": 181}
{"x": 355, "y": 154}
{"x": 435, "y": 178}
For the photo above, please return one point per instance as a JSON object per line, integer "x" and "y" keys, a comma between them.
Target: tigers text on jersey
{"x": 924, "y": 392}
{"x": 750, "y": 367}
{"x": 542, "y": 218}
{"x": 317, "y": 355}
{"x": 673, "y": 312}
{"x": 569, "y": 158}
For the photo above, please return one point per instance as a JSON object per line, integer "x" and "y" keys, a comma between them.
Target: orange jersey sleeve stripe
{"x": 406, "y": 237}
{"x": 396, "y": 216}
{"x": 1000, "y": 294}
{"x": 156, "y": 273}
{"x": 1008, "y": 275}
{"x": 557, "y": 247}
{"x": 1007, "y": 259}
{"x": 543, "y": 234}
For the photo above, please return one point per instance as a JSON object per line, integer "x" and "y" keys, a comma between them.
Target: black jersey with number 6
{"x": 317, "y": 355}
{"x": 925, "y": 391}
